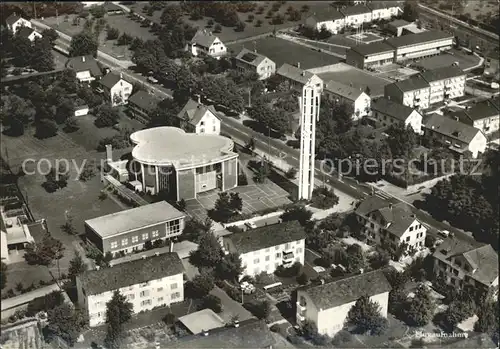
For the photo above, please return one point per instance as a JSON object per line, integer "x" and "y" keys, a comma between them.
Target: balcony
{"x": 301, "y": 307}
{"x": 300, "y": 318}
{"x": 288, "y": 257}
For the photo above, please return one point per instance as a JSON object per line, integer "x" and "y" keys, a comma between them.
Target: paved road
{"x": 274, "y": 148}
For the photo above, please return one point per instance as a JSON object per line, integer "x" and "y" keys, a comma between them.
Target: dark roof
{"x": 355, "y": 10}
{"x": 329, "y": 14}
{"x": 250, "y": 333}
{"x": 131, "y": 273}
{"x": 416, "y": 82}
{"x": 203, "y": 38}
{"x": 398, "y": 23}
{"x": 294, "y": 73}
{"x": 495, "y": 101}
{"x": 442, "y": 73}
{"x": 418, "y": 38}
{"x": 83, "y": 63}
{"x": 110, "y": 79}
{"x": 250, "y": 57}
{"x": 478, "y": 111}
{"x": 194, "y": 111}
{"x": 391, "y": 108}
{"x": 13, "y": 18}
{"x": 370, "y": 204}
{"x": 25, "y": 32}
{"x": 350, "y": 289}
{"x": 348, "y": 92}
{"x": 373, "y": 48}
{"x": 144, "y": 100}
{"x": 263, "y": 237}
{"x": 377, "y": 5}
{"x": 110, "y": 7}
{"x": 450, "y": 127}
{"x": 481, "y": 257}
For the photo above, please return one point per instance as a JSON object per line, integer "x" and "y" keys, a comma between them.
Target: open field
{"x": 228, "y": 34}
{"x": 446, "y": 59}
{"x": 324, "y": 46}
{"x": 120, "y": 22}
{"x": 283, "y": 51}
{"x": 349, "y": 75}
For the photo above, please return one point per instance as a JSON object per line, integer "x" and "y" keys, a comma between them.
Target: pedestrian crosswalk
{"x": 383, "y": 195}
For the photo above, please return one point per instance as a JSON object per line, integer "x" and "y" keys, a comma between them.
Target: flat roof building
{"x": 370, "y": 55}
{"x": 128, "y": 230}
{"x": 427, "y": 43}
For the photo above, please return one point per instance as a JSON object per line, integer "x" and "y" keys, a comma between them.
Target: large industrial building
{"x": 166, "y": 159}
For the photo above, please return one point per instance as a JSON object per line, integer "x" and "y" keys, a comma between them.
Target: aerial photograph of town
{"x": 249, "y": 174}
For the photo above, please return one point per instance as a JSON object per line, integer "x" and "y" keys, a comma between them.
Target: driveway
{"x": 231, "y": 307}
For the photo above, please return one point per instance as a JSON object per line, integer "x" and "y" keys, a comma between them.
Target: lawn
{"x": 228, "y": 34}
{"x": 283, "y": 51}
{"x": 349, "y": 75}
{"x": 464, "y": 60}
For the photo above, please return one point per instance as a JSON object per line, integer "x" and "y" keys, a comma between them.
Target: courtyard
{"x": 365, "y": 37}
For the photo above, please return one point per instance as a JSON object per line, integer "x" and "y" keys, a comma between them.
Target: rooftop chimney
{"x": 199, "y": 99}
{"x": 109, "y": 153}
{"x": 205, "y": 333}
{"x": 236, "y": 323}
{"x": 121, "y": 75}
{"x": 298, "y": 65}
{"x": 171, "y": 247}
{"x": 390, "y": 206}
{"x": 456, "y": 118}
{"x": 83, "y": 58}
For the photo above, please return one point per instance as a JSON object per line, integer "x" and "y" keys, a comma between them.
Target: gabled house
{"x": 198, "y": 118}
{"x": 385, "y": 9}
{"x": 390, "y": 225}
{"x": 388, "y": 112}
{"x": 460, "y": 263}
{"x": 248, "y": 61}
{"x": 264, "y": 249}
{"x": 328, "y": 304}
{"x": 297, "y": 78}
{"x": 116, "y": 89}
{"x": 205, "y": 43}
{"x": 482, "y": 115}
{"x": 413, "y": 92}
{"x": 141, "y": 104}
{"x": 86, "y": 68}
{"x": 355, "y": 16}
{"x": 357, "y": 99}
{"x": 331, "y": 19}
{"x": 458, "y": 136}
{"x": 445, "y": 83}
{"x": 14, "y": 22}
{"x": 28, "y": 33}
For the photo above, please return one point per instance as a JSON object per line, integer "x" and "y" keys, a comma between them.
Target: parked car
{"x": 445, "y": 233}
{"x": 250, "y": 225}
{"x": 152, "y": 80}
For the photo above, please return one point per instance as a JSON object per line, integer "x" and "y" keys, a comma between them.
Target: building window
{"x": 173, "y": 227}
{"x": 160, "y": 299}
{"x": 131, "y": 296}
{"x": 278, "y": 255}
{"x": 288, "y": 246}
{"x": 144, "y": 294}
{"x": 146, "y": 302}
{"x": 214, "y": 129}
{"x": 411, "y": 228}
{"x": 159, "y": 289}
{"x": 407, "y": 238}
{"x": 145, "y": 236}
{"x": 276, "y": 248}
{"x": 173, "y": 286}
{"x": 135, "y": 239}
{"x": 155, "y": 233}
{"x": 256, "y": 261}
{"x": 114, "y": 244}
{"x": 175, "y": 295}
{"x": 124, "y": 242}
{"x": 267, "y": 258}
{"x": 299, "y": 249}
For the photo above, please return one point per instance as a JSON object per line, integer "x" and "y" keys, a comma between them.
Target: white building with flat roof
{"x": 146, "y": 283}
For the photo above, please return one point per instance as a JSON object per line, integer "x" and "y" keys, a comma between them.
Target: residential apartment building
{"x": 460, "y": 263}
{"x": 198, "y": 118}
{"x": 388, "y": 113}
{"x": 28, "y": 33}
{"x": 445, "y": 83}
{"x": 205, "y": 43}
{"x": 251, "y": 333}
{"x": 413, "y": 92}
{"x": 371, "y": 55}
{"x": 458, "y": 136}
{"x": 116, "y": 89}
{"x": 86, "y": 68}
{"x": 331, "y": 19}
{"x": 253, "y": 62}
{"x": 424, "y": 44}
{"x": 266, "y": 248}
{"x": 296, "y": 78}
{"x": 355, "y": 16}
{"x": 146, "y": 283}
{"x": 141, "y": 105}
{"x": 128, "y": 231}
{"x": 354, "y": 97}
{"x": 328, "y": 304}
{"x": 385, "y": 9}
{"x": 15, "y": 22}
{"x": 391, "y": 225}
{"x": 483, "y": 115}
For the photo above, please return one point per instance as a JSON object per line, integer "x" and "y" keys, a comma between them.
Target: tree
{"x": 44, "y": 252}
{"x": 458, "y": 310}
{"x": 200, "y": 286}
{"x": 273, "y": 119}
{"x": 217, "y": 28}
{"x": 230, "y": 268}
{"x": 291, "y": 173}
{"x": 88, "y": 171}
{"x": 112, "y": 34}
{"x": 82, "y": 44}
{"x": 261, "y": 309}
{"x": 46, "y": 128}
{"x": 250, "y": 146}
{"x": 64, "y": 111}
{"x": 227, "y": 206}
{"x": 402, "y": 141}
{"x": 410, "y": 11}
{"x": 3, "y": 275}
{"x": 211, "y": 302}
{"x": 65, "y": 322}
{"x": 106, "y": 116}
{"x": 420, "y": 309}
{"x": 42, "y": 59}
{"x": 118, "y": 312}
{"x": 209, "y": 253}
{"x": 76, "y": 266}
{"x": 365, "y": 317}
{"x": 297, "y": 213}
{"x": 355, "y": 259}
{"x": 258, "y": 23}
{"x": 240, "y": 27}
{"x": 97, "y": 11}
{"x": 324, "y": 197}
{"x": 488, "y": 318}
{"x": 50, "y": 34}
{"x": 195, "y": 229}
{"x": 303, "y": 279}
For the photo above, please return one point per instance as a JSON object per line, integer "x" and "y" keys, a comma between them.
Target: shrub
{"x": 169, "y": 319}
{"x": 292, "y": 271}
{"x": 303, "y": 279}
{"x": 212, "y": 302}
{"x": 45, "y": 303}
{"x": 275, "y": 328}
